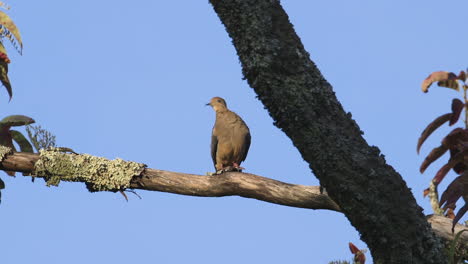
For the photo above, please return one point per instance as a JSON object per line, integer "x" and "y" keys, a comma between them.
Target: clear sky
{"x": 131, "y": 80}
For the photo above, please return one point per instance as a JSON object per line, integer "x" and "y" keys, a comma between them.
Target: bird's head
{"x": 217, "y": 103}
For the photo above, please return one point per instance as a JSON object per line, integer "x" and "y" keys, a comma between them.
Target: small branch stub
{"x": 100, "y": 174}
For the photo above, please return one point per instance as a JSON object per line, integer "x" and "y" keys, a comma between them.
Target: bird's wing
{"x": 245, "y": 147}
{"x": 214, "y": 148}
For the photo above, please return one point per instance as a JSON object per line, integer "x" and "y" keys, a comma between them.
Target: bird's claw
{"x": 218, "y": 172}
{"x": 230, "y": 169}
{"x": 236, "y": 167}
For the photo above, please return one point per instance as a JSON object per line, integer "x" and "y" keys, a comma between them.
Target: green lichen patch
{"x": 4, "y": 151}
{"x": 98, "y": 173}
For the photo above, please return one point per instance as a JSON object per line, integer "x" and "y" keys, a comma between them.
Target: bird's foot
{"x": 233, "y": 168}
{"x": 218, "y": 172}
{"x": 236, "y": 167}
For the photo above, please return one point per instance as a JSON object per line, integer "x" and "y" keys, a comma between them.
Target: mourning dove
{"x": 230, "y": 140}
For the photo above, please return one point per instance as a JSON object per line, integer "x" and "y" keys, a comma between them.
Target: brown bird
{"x": 230, "y": 140}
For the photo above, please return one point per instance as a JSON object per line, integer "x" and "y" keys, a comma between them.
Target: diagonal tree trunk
{"x": 373, "y": 196}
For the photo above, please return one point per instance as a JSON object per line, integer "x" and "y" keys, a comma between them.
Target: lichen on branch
{"x": 4, "y": 151}
{"x": 100, "y": 174}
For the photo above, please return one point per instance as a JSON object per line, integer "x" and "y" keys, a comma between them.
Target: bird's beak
{"x": 208, "y": 104}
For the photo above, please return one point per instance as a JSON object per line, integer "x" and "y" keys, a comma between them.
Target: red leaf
{"x": 353, "y": 248}
{"x": 457, "y": 107}
{"x": 460, "y": 167}
{"x": 4, "y": 77}
{"x": 460, "y": 157}
{"x": 426, "y": 192}
{"x": 443, "y": 171}
{"x": 443, "y": 78}
{"x": 456, "y": 137}
{"x": 435, "y": 154}
{"x": 456, "y": 189}
{"x": 431, "y": 127}
{"x": 359, "y": 256}
{"x": 459, "y": 215}
{"x": 460, "y": 153}
{"x": 451, "y": 83}
{"x": 450, "y": 214}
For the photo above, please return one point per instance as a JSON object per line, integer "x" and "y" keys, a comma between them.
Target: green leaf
{"x": 23, "y": 143}
{"x": 9, "y": 30}
{"x": 453, "y": 246}
{"x": 16, "y": 120}
{"x": 460, "y": 214}
{"x": 7, "y": 141}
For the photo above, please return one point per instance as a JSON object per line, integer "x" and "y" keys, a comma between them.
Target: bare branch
{"x": 235, "y": 183}
{"x": 442, "y": 227}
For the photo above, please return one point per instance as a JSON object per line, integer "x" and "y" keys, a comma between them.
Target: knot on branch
{"x": 99, "y": 174}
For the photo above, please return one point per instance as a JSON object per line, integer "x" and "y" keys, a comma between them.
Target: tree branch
{"x": 227, "y": 184}
{"x": 442, "y": 226}
{"x": 235, "y": 184}
{"x": 230, "y": 184}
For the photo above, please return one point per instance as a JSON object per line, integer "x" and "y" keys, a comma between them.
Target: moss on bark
{"x": 100, "y": 174}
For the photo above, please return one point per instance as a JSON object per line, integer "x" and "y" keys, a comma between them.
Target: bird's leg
{"x": 219, "y": 169}
{"x": 219, "y": 172}
{"x": 225, "y": 169}
{"x": 236, "y": 167}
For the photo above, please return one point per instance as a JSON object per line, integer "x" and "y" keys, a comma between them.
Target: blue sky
{"x": 130, "y": 80}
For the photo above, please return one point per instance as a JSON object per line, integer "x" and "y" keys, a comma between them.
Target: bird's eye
{"x": 219, "y": 101}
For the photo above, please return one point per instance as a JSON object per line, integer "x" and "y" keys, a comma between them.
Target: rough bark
{"x": 228, "y": 184}
{"x": 371, "y": 193}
